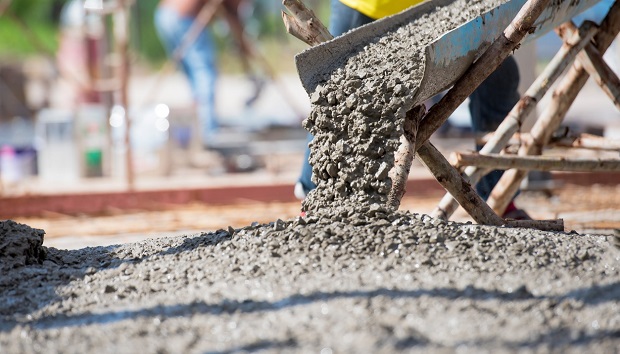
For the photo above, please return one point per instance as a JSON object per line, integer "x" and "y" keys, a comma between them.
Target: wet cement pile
{"x": 382, "y": 283}
{"x": 19, "y": 245}
{"x": 358, "y": 113}
{"x": 363, "y": 280}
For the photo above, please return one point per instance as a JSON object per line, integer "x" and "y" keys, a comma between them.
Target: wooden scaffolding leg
{"x": 490, "y": 60}
{"x": 453, "y": 182}
{"x": 551, "y": 118}
{"x": 513, "y": 121}
{"x": 593, "y": 63}
{"x": 303, "y": 23}
{"x": 404, "y": 157}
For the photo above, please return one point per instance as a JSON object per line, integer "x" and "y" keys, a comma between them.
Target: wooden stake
{"x": 563, "y": 97}
{"x": 303, "y": 23}
{"x": 460, "y": 188}
{"x": 404, "y": 157}
{"x": 581, "y": 141}
{"x": 544, "y": 225}
{"x": 121, "y": 34}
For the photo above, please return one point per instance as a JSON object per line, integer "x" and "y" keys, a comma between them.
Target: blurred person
{"x": 173, "y": 20}
{"x": 489, "y": 103}
{"x": 80, "y": 51}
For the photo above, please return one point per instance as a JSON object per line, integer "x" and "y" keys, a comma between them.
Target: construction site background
{"x": 60, "y": 136}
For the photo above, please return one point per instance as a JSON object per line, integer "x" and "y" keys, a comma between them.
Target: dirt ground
{"x": 370, "y": 283}
{"x": 584, "y": 209}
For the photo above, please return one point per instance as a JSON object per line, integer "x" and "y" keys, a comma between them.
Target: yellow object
{"x": 380, "y": 8}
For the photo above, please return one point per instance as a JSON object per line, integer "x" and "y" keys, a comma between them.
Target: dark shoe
{"x": 517, "y": 214}
{"x": 514, "y": 213}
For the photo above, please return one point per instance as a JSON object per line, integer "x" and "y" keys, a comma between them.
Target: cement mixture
{"x": 358, "y": 113}
{"x": 20, "y": 245}
{"x": 358, "y": 279}
{"x": 366, "y": 283}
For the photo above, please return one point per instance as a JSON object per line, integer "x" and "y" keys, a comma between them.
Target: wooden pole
{"x": 515, "y": 118}
{"x": 544, "y": 225}
{"x": 121, "y": 34}
{"x": 404, "y": 157}
{"x": 593, "y": 63}
{"x": 528, "y": 163}
{"x": 303, "y": 23}
{"x": 456, "y": 184}
{"x": 588, "y": 141}
{"x": 563, "y": 97}
{"x": 490, "y": 60}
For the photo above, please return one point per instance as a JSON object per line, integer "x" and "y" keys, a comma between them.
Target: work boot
{"x": 514, "y": 213}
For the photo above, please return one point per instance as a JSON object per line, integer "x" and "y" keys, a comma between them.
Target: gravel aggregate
{"x": 351, "y": 277}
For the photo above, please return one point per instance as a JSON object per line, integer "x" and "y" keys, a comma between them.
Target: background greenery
{"x": 30, "y": 27}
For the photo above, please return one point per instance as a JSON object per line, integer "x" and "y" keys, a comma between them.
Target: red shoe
{"x": 514, "y": 213}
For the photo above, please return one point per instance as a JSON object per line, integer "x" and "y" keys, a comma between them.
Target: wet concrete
{"x": 374, "y": 282}
{"x": 20, "y": 245}
{"x": 358, "y": 279}
{"x": 358, "y": 112}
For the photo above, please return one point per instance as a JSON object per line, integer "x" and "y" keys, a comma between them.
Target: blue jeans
{"x": 489, "y": 103}
{"x": 197, "y": 63}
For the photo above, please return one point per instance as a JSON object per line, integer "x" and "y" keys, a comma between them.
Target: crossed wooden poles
{"x": 420, "y": 125}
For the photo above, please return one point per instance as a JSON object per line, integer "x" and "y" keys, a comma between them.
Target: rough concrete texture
{"x": 367, "y": 283}
{"x": 357, "y": 114}
{"x": 358, "y": 279}
{"x": 20, "y": 245}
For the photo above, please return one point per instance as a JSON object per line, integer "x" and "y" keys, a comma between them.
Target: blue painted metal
{"x": 449, "y": 56}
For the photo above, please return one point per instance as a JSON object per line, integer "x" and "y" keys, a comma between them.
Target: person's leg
{"x": 198, "y": 64}
{"x": 305, "y": 184}
{"x": 343, "y": 19}
{"x": 489, "y": 105}
{"x": 200, "y": 60}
